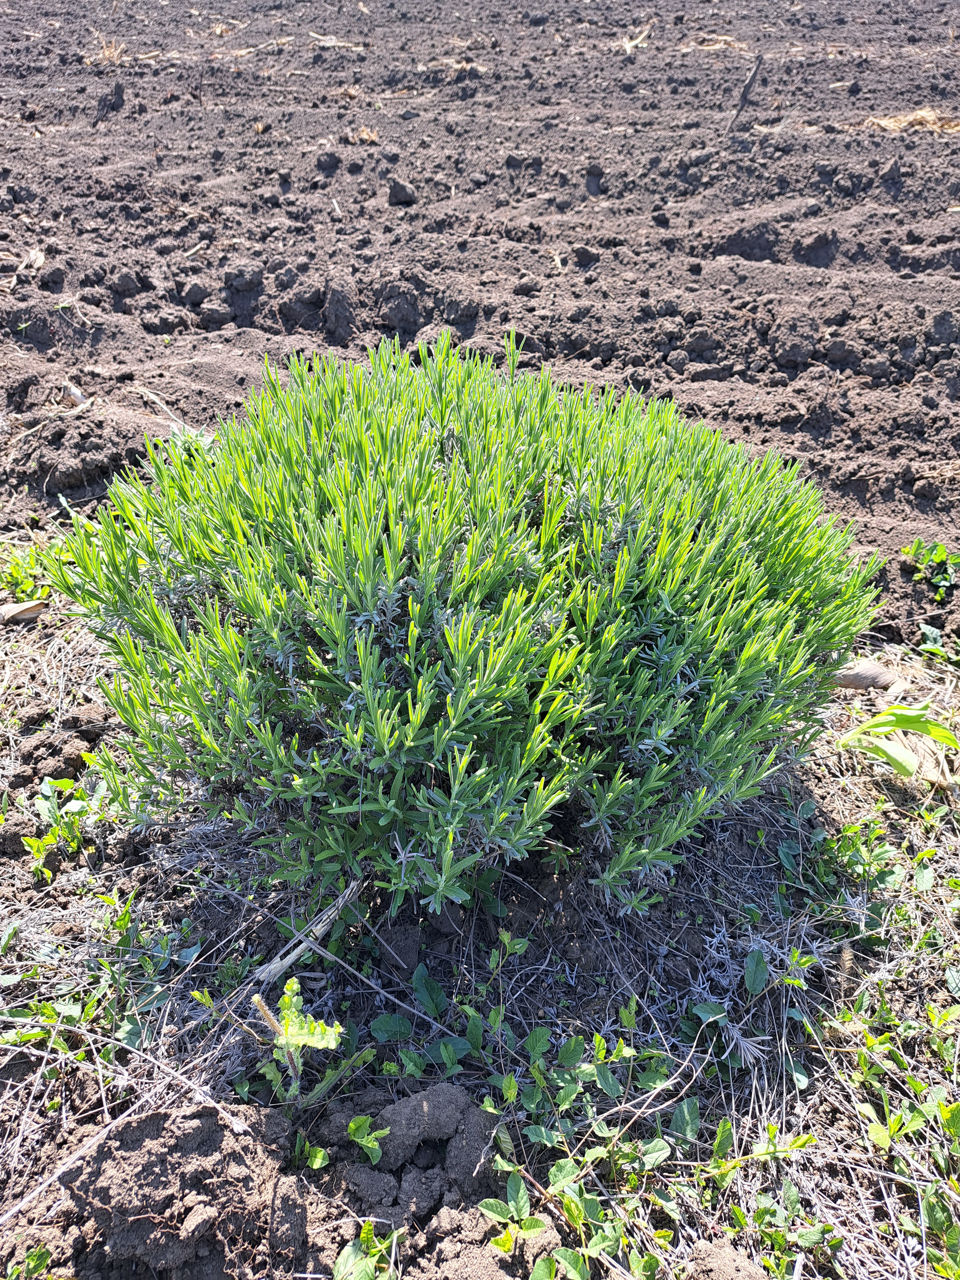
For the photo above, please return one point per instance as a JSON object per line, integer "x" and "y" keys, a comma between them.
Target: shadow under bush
{"x": 399, "y": 619}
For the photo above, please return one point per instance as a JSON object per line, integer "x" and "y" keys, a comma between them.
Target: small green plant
{"x": 512, "y": 1214}
{"x": 400, "y": 620}
{"x": 936, "y": 645}
{"x": 508, "y": 946}
{"x": 935, "y": 565}
{"x": 294, "y": 1032}
{"x": 367, "y": 1138}
{"x": 873, "y": 736}
{"x": 368, "y": 1256}
{"x": 22, "y": 573}
{"x": 67, "y": 810}
{"x": 785, "y": 1232}
{"x": 307, "y": 1156}
{"x": 35, "y": 1264}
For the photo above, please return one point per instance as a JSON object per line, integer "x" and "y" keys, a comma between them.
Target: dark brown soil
{"x": 204, "y": 188}
{"x": 183, "y": 191}
{"x": 209, "y": 1192}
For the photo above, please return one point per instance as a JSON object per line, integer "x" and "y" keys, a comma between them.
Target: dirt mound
{"x": 206, "y": 1192}
{"x": 198, "y": 1193}
{"x": 721, "y": 1261}
{"x": 435, "y": 1154}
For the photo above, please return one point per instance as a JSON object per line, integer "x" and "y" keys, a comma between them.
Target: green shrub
{"x": 416, "y": 619}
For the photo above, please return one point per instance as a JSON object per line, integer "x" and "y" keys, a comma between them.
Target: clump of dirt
{"x": 199, "y": 1192}
{"x": 719, "y": 1260}
{"x": 208, "y": 1191}
{"x": 53, "y": 744}
{"x": 435, "y": 1154}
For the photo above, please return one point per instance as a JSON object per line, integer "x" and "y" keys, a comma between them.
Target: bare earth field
{"x": 754, "y": 210}
{"x": 181, "y": 191}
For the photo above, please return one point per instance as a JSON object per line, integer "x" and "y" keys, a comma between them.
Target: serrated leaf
{"x": 755, "y": 972}
{"x": 791, "y": 1198}
{"x": 810, "y": 1237}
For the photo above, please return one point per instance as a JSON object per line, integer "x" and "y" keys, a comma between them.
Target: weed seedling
{"x": 369, "y": 1256}
{"x": 67, "y": 810}
{"x": 873, "y": 736}
{"x": 935, "y": 565}
{"x": 367, "y": 1138}
{"x": 294, "y": 1032}
{"x": 34, "y": 1265}
{"x": 513, "y": 1214}
{"x": 22, "y": 574}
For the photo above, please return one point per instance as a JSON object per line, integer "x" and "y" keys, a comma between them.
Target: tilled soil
{"x": 183, "y": 190}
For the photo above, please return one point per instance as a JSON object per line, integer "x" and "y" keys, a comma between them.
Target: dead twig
{"x": 745, "y": 91}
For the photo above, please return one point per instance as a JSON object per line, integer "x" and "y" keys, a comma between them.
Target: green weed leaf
{"x": 390, "y": 1027}
{"x": 755, "y": 973}
{"x": 496, "y": 1209}
{"x": 685, "y": 1120}
{"x": 573, "y": 1264}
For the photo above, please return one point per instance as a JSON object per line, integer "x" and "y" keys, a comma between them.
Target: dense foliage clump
{"x": 431, "y": 620}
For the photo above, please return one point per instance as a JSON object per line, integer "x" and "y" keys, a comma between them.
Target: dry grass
{"x": 112, "y": 53}
{"x": 927, "y": 119}
{"x": 631, "y": 43}
{"x": 711, "y": 42}
{"x": 15, "y": 265}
